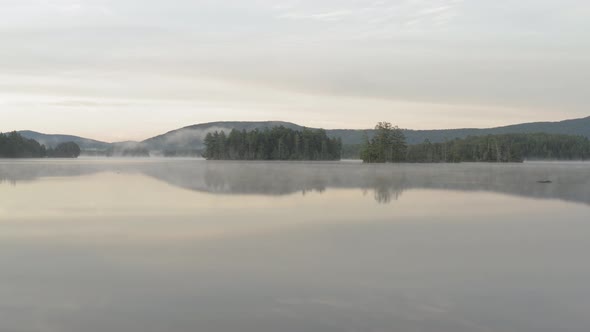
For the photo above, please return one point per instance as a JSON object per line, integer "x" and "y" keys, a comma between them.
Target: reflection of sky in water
{"x": 128, "y": 249}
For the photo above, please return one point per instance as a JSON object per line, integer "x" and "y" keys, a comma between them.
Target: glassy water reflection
{"x": 172, "y": 245}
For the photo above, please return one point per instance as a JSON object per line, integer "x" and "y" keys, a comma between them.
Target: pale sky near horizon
{"x": 131, "y": 69}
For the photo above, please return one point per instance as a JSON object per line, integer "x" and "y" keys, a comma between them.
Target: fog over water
{"x": 570, "y": 180}
{"x": 189, "y": 245}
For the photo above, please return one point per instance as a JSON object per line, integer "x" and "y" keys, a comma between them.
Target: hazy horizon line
{"x": 283, "y": 121}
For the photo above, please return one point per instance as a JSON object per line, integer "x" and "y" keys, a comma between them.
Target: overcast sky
{"x": 131, "y": 69}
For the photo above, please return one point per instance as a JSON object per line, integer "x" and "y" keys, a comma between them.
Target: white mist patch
{"x": 191, "y": 137}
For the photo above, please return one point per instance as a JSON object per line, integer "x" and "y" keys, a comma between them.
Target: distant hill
{"x": 88, "y": 146}
{"x": 579, "y": 127}
{"x": 193, "y": 136}
{"x": 189, "y": 140}
{"x": 50, "y": 140}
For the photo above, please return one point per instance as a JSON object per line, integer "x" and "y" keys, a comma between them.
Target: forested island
{"x": 13, "y": 145}
{"x": 277, "y": 143}
{"x": 389, "y": 145}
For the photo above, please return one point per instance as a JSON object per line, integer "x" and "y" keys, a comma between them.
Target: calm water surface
{"x": 188, "y": 245}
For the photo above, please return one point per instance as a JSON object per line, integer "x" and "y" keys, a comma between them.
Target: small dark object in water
{"x": 545, "y": 181}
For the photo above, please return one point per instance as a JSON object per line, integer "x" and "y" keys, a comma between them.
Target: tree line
{"x": 503, "y": 148}
{"x": 389, "y": 145}
{"x": 278, "y": 143}
{"x": 14, "y": 145}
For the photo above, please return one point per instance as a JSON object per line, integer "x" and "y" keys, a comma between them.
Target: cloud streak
{"x": 400, "y": 13}
{"x": 68, "y": 63}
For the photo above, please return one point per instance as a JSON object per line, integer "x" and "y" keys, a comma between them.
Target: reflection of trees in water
{"x": 215, "y": 182}
{"x": 250, "y": 179}
{"x": 383, "y": 195}
{"x": 570, "y": 182}
{"x": 386, "y": 189}
{"x": 18, "y": 171}
{"x": 275, "y": 178}
{"x": 3, "y": 180}
{"x": 319, "y": 190}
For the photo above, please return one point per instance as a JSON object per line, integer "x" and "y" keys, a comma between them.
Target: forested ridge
{"x": 277, "y": 143}
{"x": 389, "y": 145}
{"x": 13, "y": 145}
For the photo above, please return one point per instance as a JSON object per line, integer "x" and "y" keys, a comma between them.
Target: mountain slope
{"x": 88, "y": 146}
{"x": 50, "y": 140}
{"x": 192, "y": 136}
{"x": 578, "y": 127}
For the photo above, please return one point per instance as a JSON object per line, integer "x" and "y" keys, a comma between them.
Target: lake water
{"x": 187, "y": 245}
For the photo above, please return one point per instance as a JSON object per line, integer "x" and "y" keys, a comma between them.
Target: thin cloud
{"x": 85, "y": 103}
{"x": 404, "y": 13}
{"x": 331, "y": 16}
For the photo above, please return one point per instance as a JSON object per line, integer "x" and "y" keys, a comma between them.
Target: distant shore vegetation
{"x": 386, "y": 144}
{"x": 389, "y": 145}
{"x": 13, "y": 145}
{"x": 278, "y": 143}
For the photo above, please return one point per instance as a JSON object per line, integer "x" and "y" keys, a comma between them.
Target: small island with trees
{"x": 13, "y": 145}
{"x": 278, "y": 143}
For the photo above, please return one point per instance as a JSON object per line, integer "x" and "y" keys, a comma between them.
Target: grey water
{"x": 189, "y": 245}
